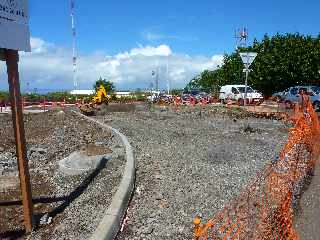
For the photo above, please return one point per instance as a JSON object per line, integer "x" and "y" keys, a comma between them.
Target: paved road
{"x": 308, "y": 220}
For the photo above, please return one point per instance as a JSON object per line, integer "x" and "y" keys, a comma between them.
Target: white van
{"x": 237, "y": 92}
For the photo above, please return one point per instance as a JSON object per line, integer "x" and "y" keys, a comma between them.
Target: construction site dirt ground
{"x": 65, "y": 206}
{"x": 189, "y": 163}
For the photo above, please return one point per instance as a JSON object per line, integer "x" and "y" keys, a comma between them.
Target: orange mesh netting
{"x": 264, "y": 210}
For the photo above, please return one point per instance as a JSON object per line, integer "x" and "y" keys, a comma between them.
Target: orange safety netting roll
{"x": 264, "y": 209}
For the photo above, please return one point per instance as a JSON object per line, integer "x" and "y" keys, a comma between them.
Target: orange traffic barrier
{"x": 177, "y": 101}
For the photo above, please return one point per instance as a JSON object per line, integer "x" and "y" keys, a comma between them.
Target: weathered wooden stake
{"x": 12, "y": 58}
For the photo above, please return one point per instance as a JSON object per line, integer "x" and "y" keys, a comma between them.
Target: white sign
{"x": 248, "y": 58}
{"x": 14, "y": 29}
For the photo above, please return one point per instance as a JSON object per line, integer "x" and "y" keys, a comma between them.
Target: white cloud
{"x": 39, "y": 46}
{"x": 50, "y": 67}
{"x": 162, "y": 50}
{"x": 148, "y": 51}
{"x": 153, "y": 36}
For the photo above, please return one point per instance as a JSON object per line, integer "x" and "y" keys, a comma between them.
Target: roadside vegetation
{"x": 34, "y": 97}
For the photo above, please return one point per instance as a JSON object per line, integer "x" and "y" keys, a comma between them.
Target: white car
{"x": 237, "y": 93}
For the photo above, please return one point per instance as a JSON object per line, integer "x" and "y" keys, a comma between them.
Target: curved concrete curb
{"x": 111, "y": 222}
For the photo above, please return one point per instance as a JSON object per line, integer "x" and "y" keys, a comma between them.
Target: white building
{"x": 123, "y": 94}
{"x": 92, "y": 92}
{"x": 82, "y": 92}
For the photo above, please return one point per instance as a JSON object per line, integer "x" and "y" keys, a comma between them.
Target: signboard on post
{"x": 248, "y": 58}
{"x": 15, "y": 36}
{"x": 14, "y": 29}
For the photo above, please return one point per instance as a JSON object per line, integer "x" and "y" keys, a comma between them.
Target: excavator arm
{"x": 101, "y": 96}
{"x": 99, "y": 101}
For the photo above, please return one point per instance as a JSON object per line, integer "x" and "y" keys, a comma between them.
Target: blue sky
{"x": 192, "y": 27}
{"x": 193, "y": 33}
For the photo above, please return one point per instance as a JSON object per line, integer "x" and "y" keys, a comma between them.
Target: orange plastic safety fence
{"x": 264, "y": 209}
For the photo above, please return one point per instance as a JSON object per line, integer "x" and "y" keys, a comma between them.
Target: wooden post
{"x": 11, "y": 57}
{"x": 44, "y": 104}
{"x": 23, "y": 103}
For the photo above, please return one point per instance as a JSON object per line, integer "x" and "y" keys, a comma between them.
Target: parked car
{"x": 292, "y": 95}
{"x": 278, "y": 96}
{"x": 166, "y": 98}
{"x": 210, "y": 98}
{"x": 237, "y": 93}
{"x": 185, "y": 98}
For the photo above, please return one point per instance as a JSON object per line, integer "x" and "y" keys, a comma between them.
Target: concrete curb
{"x": 110, "y": 225}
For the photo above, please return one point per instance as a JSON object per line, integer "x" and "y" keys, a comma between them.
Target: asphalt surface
{"x": 307, "y": 219}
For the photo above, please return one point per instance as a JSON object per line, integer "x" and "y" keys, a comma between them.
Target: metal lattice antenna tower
{"x": 241, "y": 36}
{"x": 74, "y": 37}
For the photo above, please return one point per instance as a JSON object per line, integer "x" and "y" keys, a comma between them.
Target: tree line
{"x": 283, "y": 61}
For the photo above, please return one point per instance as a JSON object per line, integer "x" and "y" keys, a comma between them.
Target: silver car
{"x": 292, "y": 95}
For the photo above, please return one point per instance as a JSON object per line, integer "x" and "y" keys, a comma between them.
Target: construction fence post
{"x": 197, "y": 228}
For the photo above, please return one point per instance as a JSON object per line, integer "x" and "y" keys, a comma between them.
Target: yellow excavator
{"x": 98, "y": 102}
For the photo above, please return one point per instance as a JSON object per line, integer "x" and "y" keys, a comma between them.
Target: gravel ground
{"x": 69, "y": 206}
{"x": 191, "y": 164}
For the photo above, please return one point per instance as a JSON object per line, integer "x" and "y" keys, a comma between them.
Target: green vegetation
{"x": 54, "y": 97}
{"x": 282, "y": 61}
{"x": 176, "y": 92}
{"x": 108, "y": 85}
{"x": 69, "y": 98}
{"x": 4, "y": 96}
{"x": 138, "y": 95}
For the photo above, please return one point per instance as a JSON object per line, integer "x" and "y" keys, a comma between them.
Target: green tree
{"x": 4, "y": 95}
{"x": 108, "y": 85}
{"x": 176, "y": 92}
